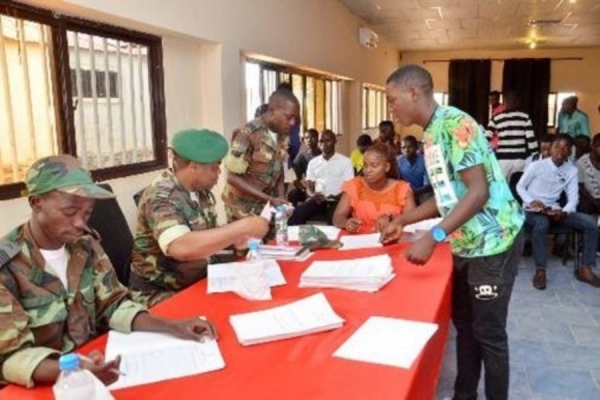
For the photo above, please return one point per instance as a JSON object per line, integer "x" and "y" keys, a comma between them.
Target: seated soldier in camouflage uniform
{"x": 255, "y": 161}
{"x": 177, "y": 224}
{"x": 58, "y": 288}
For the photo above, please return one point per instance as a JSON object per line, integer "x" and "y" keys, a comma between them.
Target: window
{"x": 319, "y": 96}
{"x": 374, "y": 107}
{"x": 441, "y": 98}
{"x": 72, "y": 86}
{"x": 554, "y": 103}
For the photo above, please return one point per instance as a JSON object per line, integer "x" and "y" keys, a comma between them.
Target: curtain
{"x": 469, "y": 87}
{"x": 529, "y": 79}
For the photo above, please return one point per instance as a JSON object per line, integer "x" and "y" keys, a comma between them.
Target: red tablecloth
{"x": 304, "y": 368}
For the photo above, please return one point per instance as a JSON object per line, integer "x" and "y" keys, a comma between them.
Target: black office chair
{"x": 573, "y": 235}
{"x": 116, "y": 238}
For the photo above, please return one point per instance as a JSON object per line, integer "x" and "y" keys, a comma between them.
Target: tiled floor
{"x": 554, "y": 338}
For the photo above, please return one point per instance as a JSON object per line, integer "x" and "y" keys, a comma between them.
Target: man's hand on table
{"x": 106, "y": 372}
{"x": 193, "y": 329}
{"x": 420, "y": 252}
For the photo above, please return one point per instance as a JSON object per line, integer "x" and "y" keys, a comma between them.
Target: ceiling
{"x": 481, "y": 24}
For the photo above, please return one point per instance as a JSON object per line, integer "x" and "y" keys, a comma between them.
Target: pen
{"x": 113, "y": 370}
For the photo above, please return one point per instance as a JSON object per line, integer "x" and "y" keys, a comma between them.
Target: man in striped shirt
{"x": 516, "y": 140}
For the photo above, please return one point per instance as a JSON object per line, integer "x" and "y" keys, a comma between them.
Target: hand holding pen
{"x": 107, "y": 372}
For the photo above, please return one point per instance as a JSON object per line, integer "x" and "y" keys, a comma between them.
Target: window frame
{"x": 365, "y": 99}
{"x": 60, "y": 72}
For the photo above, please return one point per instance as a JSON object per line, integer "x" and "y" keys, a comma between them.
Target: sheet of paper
{"x": 360, "y": 241}
{"x": 376, "y": 266}
{"x": 424, "y": 225}
{"x": 221, "y": 277}
{"x": 309, "y": 315}
{"x": 267, "y": 211}
{"x": 387, "y": 341}
{"x": 331, "y": 231}
{"x": 152, "y": 357}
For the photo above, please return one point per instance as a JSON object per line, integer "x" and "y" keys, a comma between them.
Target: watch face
{"x": 438, "y": 234}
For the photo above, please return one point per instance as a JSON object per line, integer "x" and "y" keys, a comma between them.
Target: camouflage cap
{"x": 201, "y": 146}
{"x": 315, "y": 238}
{"x": 63, "y": 173}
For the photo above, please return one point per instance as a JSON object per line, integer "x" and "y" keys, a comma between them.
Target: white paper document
{"x": 350, "y": 242}
{"x": 309, "y": 315}
{"x": 331, "y": 232}
{"x": 222, "y": 277}
{"x": 148, "y": 357}
{"x": 387, "y": 341}
{"x": 424, "y": 225}
{"x": 367, "y": 274}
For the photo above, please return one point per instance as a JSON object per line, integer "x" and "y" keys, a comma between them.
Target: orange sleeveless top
{"x": 368, "y": 205}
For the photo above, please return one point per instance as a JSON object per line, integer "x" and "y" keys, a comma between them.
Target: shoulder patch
{"x": 8, "y": 251}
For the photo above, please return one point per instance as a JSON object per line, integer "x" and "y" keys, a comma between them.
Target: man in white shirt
{"x": 325, "y": 176}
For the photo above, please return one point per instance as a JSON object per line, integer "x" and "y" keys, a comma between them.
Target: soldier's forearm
{"x": 46, "y": 372}
{"x": 239, "y": 183}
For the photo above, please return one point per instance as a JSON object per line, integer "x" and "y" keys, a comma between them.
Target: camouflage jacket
{"x": 257, "y": 158}
{"x": 40, "y": 317}
{"x": 164, "y": 205}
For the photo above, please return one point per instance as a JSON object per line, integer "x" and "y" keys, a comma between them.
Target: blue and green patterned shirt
{"x": 455, "y": 142}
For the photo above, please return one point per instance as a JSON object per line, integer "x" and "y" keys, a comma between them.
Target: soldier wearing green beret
{"x": 177, "y": 229}
{"x": 255, "y": 160}
{"x": 58, "y": 288}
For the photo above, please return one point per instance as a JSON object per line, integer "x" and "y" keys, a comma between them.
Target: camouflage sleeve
{"x": 18, "y": 359}
{"x": 164, "y": 216}
{"x": 113, "y": 303}
{"x": 236, "y": 160}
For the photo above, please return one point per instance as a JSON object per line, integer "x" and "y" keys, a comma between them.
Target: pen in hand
{"x": 113, "y": 370}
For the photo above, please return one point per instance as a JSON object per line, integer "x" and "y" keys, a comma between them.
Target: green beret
{"x": 201, "y": 146}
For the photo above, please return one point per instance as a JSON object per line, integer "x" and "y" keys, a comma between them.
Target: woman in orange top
{"x": 369, "y": 202}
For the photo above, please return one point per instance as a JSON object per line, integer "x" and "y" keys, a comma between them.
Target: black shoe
{"x": 585, "y": 274}
{"x": 539, "y": 279}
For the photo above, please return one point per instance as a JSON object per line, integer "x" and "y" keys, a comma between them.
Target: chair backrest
{"x": 117, "y": 241}
{"x": 512, "y": 184}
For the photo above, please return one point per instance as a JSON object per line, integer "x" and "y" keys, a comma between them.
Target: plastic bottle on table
{"x": 73, "y": 383}
{"x": 253, "y": 255}
{"x": 281, "y": 226}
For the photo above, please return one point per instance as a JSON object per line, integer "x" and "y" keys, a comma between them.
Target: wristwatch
{"x": 438, "y": 234}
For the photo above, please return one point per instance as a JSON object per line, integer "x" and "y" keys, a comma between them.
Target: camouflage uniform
{"x": 40, "y": 317}
{"x": 258, "y": 158}
{"x": 165, "y": 205}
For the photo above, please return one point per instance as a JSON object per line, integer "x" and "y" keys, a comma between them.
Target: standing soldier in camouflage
{"x": 177, "y": 229}
{"x": 58, "y": 288}
{"x": 254, "y": 163}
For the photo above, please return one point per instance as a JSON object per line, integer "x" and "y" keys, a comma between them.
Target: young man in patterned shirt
{"x": 481, "y": 219}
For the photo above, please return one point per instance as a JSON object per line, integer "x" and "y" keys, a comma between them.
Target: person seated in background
{"x": 300, "y": 164}
{"x": 58, "y": 289}
{"x": 177, "y": 232}
{"x": 356, "y": 157}
{"x": 516, "y": 140}
{"x": 325, "y": 176}
{"x": 540, "y": 188}
{"x": 387, "y": 134}
{"x": 588, "y": 167}
{"x": 571, "y": 120}
{"x": 371, "y": 201}
{"x": 411, "y": 168}
{"x": 544, "y": 145}
{"x": 583, "y": 145}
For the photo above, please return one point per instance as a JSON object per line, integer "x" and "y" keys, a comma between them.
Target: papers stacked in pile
{"x": 367, "y": 274}
{"x": 363, "y": 241}
{"x": 309, "y": 315}
{"x": 222, "y": 277}
{"x": 271, "y": 252}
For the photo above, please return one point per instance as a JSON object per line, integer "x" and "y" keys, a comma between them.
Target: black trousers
{"x": 310, "y": 209}
{"x": 481, "y": 293}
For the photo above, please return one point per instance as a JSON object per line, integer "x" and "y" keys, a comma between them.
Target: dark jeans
{"x": 310, "y": 209}
{"x": 540, "y": 224}
{"x": 481, "y": 292}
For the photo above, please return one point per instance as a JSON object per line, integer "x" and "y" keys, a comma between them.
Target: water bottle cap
{"x": 68, "y": 362}
{"x": 253, "y": 244}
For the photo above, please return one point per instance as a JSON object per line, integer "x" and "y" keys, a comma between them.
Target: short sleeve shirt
{"x": 589, "y": 176}
{"x": 455, "y": 142}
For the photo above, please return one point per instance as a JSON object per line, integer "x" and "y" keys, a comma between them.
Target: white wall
{"x": 203, "y": 45}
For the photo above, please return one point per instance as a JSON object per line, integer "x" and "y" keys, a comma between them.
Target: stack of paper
{"x": 350, "y": 242}
{"x": 222, "y": 277}
{"x": 270, "y": 252}
{"x": 367, "y": 274}
{"x": 387, "y": 341}
{"x": 331, "y": 232}
{"x": 309, "y": 315}
{"x": 148, "y": 357}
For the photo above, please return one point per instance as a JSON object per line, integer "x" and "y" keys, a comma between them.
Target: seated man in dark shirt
{"x": 300, "y": 164}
